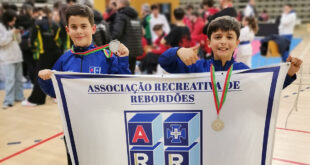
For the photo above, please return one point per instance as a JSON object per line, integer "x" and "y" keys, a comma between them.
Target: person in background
{"x": 55, "y": 12}
{"x": 11, "y": 59}
{"x": 250, "y": 9}
{"x": 287, "y": 25}
{"x": 150, "y": 62}
{"x": 187, "y": 18}
{"x": 71, "y": 2}
{"x": 247, "y": 34}
{"x": 227, "y": 9}
{"x": 209, "y": 9}
{"x": 45, "y": 42}
{"x": 110, "y": 11}
{"x": 180, "y": 34}
{"x": 157, "y": 18}
{"x": 263, "y": 16}
{"x": 26, "y": 23}
{"x": 128, "y": 30}
{"x": 146, "y": 19}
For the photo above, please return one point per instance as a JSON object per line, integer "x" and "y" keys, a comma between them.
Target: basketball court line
{"x": 289, "y": 161}
{"x": 30, "y": 147}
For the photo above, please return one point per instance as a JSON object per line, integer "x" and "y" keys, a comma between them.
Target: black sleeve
{"x": 119, "y": 26}
{"x": 171, "y": 36}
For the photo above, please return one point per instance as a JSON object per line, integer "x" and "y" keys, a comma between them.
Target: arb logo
{"x": 164, "y": 137}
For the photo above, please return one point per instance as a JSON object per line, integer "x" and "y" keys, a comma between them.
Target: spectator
{"x": 150, "y": 62}
{"x": 227, "y": 9}
{"x": 180, "y": 34}
{"x": 157, "y": 18}
{"x": 263, "y": 16}
{"x": 44, "y": 38}
{"x": 26, "y": 23}
{"x": 128, "y": 30}
{"x": 250, "y": 9}
{"x": 247, "y": 34}
{"x": 146, "y": 19}
{"x": 287, "y": 24}
{"x": 110, "y": 10}
{"x": 187, "y": 17}
{"x": 71, "y": 2}
{"x": 111, "y": 14}
{"x": 11, "y": 59}
{"x": 209, "y": 9}
{"x": 197, "y": 27}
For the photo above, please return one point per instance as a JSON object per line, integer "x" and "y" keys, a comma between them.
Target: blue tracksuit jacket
{"x": 171, "y": 63}
{"x": 95, "y": 62}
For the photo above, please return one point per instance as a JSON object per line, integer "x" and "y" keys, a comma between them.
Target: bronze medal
{"x": 217, "y": 125}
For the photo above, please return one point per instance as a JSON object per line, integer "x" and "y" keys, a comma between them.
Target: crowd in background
{"x": 43, "y": 36}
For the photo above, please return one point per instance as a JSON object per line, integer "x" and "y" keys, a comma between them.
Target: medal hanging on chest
{"x": 218, "y": 124}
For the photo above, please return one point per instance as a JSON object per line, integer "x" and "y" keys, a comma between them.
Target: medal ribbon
{"x": 103, "y": 48}
{"x": 218, "y": 105}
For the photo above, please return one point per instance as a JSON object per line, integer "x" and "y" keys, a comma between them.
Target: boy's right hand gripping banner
{"x": 171, "y": 119}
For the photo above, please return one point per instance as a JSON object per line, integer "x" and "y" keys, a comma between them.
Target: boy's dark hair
{"x": 158, "y": 27}
{"x": 80, "y": 10}
{"x": 5, "y": 5}
{"x": 189, "y": 6}
{"x": 209, "y": 3}
{"x": 179, "y": 13}
{"x": 8, "y": 16}
{"x": 69, "y": 1}
{"x": 289, "y": 5}
{"x": 195, "y": 13}
{"x": 154, "y": 6}
{"x": 224, "y": 23}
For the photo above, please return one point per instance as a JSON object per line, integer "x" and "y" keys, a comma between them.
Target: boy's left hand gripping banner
{"x": 167, "y": 119}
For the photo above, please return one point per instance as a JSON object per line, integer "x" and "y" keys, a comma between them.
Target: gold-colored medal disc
{"x": 217, "y": 125}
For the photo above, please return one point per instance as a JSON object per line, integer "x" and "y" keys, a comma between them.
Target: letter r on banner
{"x": 141, "y": 158}
{"x": 175, "y": 159}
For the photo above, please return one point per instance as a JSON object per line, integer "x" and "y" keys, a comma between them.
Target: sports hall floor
{"x": 33, "y": 135}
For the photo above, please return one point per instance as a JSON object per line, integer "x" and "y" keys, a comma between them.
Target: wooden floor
{"x": 33, "y": 135}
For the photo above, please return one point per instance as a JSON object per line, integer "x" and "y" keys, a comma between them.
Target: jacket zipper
{"x": 81, "y": 64}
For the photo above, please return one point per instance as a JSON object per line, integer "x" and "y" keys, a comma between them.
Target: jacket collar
{"x": 218, "y": 64}
{"x": 83, "y": 49}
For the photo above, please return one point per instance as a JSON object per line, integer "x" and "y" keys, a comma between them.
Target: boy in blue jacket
{"x": 223, "y": 34}
{"x": 84, "y": 56}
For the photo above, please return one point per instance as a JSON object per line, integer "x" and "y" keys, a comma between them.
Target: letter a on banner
{"x": 140, "y": 134}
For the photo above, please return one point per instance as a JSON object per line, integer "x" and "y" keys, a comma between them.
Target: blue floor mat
{"x": 259, "y": 61}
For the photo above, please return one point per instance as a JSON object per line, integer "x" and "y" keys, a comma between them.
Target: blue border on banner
{"x": 275, "y": 70}
{"x": 274, "y": 81}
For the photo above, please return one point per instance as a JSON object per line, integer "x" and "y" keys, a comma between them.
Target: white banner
{"x": 167, "y": 119}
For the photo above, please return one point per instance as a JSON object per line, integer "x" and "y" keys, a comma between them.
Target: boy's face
{"x": 158, "y": 32}
{"x": 80, "y": 30}
{"x": 223, "y": 44}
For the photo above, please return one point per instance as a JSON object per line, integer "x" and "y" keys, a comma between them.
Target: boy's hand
{"x": 122, "y": 51}
{"x": 295, "y": 65}
{"x": 188, "y": 55}
{"x": 45, "y": 74}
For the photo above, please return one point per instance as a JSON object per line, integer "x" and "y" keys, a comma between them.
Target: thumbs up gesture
{"x": 188, "y": 56}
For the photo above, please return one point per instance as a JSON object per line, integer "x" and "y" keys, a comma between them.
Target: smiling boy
{"x": 223, "y": 34}
{"x": 84, "y": 56}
